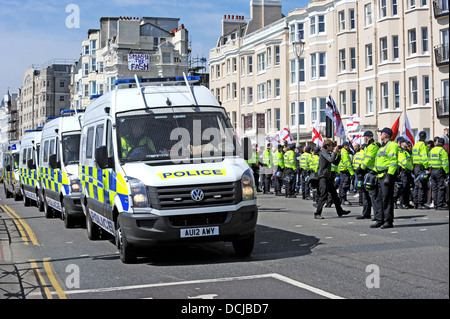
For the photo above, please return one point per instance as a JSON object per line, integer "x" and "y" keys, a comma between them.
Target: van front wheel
{"x": 126, "y": 250}
{"x": 93, "y": 231}
{"x": 244, "y": 247}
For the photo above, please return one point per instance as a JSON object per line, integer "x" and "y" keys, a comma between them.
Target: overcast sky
{"x": 34, "y": 32}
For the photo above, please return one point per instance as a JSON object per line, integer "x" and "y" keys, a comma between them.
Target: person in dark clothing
{"x": 326, "y": 183}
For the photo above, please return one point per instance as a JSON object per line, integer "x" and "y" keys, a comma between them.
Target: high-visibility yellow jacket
{"x": 345, "y": 164}
{"x": 405, "y": 159}
{"x": 314, "y": 163}
{"x": 289, "y": 159}
{"x": 439, "y": 158}
{"x": 278, "y": 159}
{"x": 357, "y": 159}
{"x": 127, "y": 145}
{"x": 420, "y": 154}
{"x": 266, "y": 158}
{"x": 387, "y": 159}
{"x": 368, "y": 160}
{"x": 305, "y": 161}
{"x": 254, "y": 160}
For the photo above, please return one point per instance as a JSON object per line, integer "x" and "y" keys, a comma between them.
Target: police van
{"x": 58, "y": 167}
{"x": 11, "y": 178}
{"x": 160, "y": 164}
{"x": 29, "y": 167}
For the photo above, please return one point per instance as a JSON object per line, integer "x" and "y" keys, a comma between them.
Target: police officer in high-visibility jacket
{"x": 386, "y": 163}
{"x": 314, "y": 167}
{"x": 135, "y": 140}
{"x": 289, "y": 171}
{"x": 367, "y": 165}
{"x": 266, "y": 168}
{"x": 357, "y": 158}
{"x": 278, "y": 167}
{"x": 305, "y": 162}
{"x": 405, "y": 168}
{"x": 345, "y": 172}
{"x": 420, "y": 162}
{"x": 438, "y": 161}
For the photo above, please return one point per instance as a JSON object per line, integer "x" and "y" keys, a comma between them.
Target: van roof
{"x": 122, "y": 100}
{"x": 63, "y": 124}
{"x": 31, "y": 136}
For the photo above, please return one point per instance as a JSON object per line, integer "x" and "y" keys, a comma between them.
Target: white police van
{"x": 29, "y": 166}
{"x": 11, "y": 178}
{"x": 160, "y": 165}
{"x": 58, "y": 158}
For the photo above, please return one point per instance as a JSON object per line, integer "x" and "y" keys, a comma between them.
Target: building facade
{"x": 124, "y": 47}
{"x": 378, "y": 60}
{"x": 44, "y": 93}
{"x": 9, "y": 119}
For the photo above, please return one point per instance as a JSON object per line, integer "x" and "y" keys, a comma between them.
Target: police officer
{"x": 367, "y": 165}
{"x": 266, "y": 169}
{"x": 254, "y": 165}
{"x": 420, "y": 163}
{"x": 305, "y": 162}
{"x": 135, "y": 139}
{"x": 289, "y": 171}
{"x": 386, "y": 163}
{"x": 438, "y": 161}
{"x": 405, "y": 168}
{"x": 278, "y": 166}
{"x": 359, "y": 153}
{"x": 345, "y": 172}
{"x": 314, "y": 167}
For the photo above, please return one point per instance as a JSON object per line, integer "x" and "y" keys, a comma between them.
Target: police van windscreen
{"x": 71, "y": 149}
{"x": 178, "y": 135}
{"x": 15, "y": 158}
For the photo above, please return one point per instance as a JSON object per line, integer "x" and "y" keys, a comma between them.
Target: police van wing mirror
{"x": 53, "y": 162}
{"x": 101, "y": 157}
{"x": 246, "y": 144}
{"x": 30, "y": 164}
{"x": 8, "y": 168}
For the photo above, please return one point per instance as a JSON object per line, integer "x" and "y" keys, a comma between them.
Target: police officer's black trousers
{"x": 383, "y": 201}
{"x": 326, "y": 186}
{"x": 367, "y": 203}
{"x": 438, "y": 186}
{"x": 420, "y": 189}
{"x": 305, "y": 185}
{"x": 344, "y": 186}
{"x": 403, "y": 193}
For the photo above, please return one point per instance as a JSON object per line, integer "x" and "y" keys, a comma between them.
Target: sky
{"x": 34, "y": 32}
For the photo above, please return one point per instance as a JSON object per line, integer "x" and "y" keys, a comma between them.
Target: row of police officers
{"x": 384, "y": 173}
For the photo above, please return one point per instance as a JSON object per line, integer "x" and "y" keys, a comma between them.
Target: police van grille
{"x": 176, "y": 197}
{"x": 198, "y": 219}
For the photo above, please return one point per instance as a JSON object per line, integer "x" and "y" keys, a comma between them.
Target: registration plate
{"x": 199, "y": 232}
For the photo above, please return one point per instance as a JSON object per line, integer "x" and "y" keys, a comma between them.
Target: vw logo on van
{"x": 197, "y": 195}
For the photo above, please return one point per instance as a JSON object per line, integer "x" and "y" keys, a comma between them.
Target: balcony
{"x": 441, "y": 54}
{"x": 440, "y": 8}
{"x": 442, "y": 108}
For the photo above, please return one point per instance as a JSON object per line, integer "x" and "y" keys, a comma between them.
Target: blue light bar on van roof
{"x": 39, "y": 128}
{"x": 29, "y": 131}
{"x": 13, "y": 147}
{"x": 158, "y": 80}
{"x": 51, "y": 118}
{"x": 96, "y": 96}
{"x": 64, "y": 112}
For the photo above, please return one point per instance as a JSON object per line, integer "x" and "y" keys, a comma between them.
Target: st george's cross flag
{"x": 332, "y": 112}
{"x": 285, "y": 135}
{"x": 407, "y": 132}
{"x": 316, "y": 136}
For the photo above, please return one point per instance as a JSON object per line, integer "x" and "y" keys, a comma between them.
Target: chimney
{"x": 263, "y": 13}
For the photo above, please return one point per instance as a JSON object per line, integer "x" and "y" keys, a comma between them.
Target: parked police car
{"x": 160, "y": 165}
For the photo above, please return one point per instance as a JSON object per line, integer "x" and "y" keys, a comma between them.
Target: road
{"x": 295, "y": 257}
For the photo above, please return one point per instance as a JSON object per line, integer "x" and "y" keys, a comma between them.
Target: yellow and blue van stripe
{"x": 104, "y": 185}
{"x": 29, "y": 177}
{"x": 54, "y": 180}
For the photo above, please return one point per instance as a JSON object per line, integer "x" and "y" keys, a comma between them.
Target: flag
{"x": 358, "y": 139}
{"x": 316, "y": 136}
{"x": 395, "y": 129}
{"x": 285, "y": 135}
{"x": 407, "y": 132}
{"x": 333, "y": 113}
{"x": 353, "y": 123}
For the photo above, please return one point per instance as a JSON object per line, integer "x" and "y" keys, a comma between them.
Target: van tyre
{"x": 16, "y": 196}
{"x": 126, "y": 251}
{"x": 39, "y": 202}
{"x": 93, "y": 231}
{"x": 68, "y": 220}
{"x": 7, "y": 193}
{"x": 48, "y": 211}
{"x": 244, "y": 247}
{"x": 26, "y": 200}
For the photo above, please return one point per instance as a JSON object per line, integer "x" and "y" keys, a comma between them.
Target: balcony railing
{"x": 441, "y": 54}
{"x": 442, "y": 107}
{"x": 440, "y": 8}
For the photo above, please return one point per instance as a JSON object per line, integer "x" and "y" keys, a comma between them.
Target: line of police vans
{"x": 154, "y": 162}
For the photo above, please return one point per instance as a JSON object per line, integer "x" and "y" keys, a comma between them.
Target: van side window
{"x": 52, "y": 147}
{"x": 98, "y": 135}
{"x": 29, "y": 154}
{"x": 89, "y": 142}
{"x": 45, "y": 157}
{"x": 109, "y": 140}
{"x": 24, "y": 156}
{"x": 38, "y": 148}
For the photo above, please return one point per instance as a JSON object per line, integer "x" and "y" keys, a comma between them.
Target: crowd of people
{"x": 387, "y": 175}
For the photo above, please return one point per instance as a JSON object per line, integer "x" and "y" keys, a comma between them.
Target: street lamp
{"x": 299, "y": 47}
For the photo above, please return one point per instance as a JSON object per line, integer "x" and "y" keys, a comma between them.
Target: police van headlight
{"x": 75, "y": 184}
{"x": 248, "y": 185}
{"x": 138, "y": 193}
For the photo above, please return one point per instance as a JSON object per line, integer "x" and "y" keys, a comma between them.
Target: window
{"x": 384, "y": 96}
{"x": 341, "y": 20}
{"x": 93, "y": 87}
{"x": 342, "y": 60}
{"x": 353, "y": 58}
{"x": 218, "y": 71}
{"x": 397, "y": 95}
{"x": 250, "y": 65}
{"x": 278, "y": 119}
{"x": 353, "y": 97}
{"x": 45, "y": 155}
{"x": 250, "y": 95}
{"x": 343, "y": 101}
{"x": 86, "y": 49}
{"x": 234, "y": 93}
{"x": 412, "y": 41}
{"x": 369, "y": 61}
{"x": 86, "y": 68}
{"x": 292, "y": 116}
{"x": 301, "y": 71}
{"x": 301, "y": 114}
{"x": 313, "y": 111}
{"x": 368, "y": 14}
{"x": 301, "y": 30}
{"x": 261, "y": 92}
{"x": 228, "y": 91}
{"x": 424, "y": 39}
{"x": 277, "y": 88}
{"x": 383, "y": 49}
{"x": 269, "y": 89}
{"x": 322, "y": 64}
{"x": 269, "y": 118}
{"x": 269, "y": 57}
{"x": 413, "y": 98}
{"x": 395, "y": 47}
{"x": 242, "y": 66}
{"x": 293, "y": 72}
{"x": 352, "y": 18}
{"x": 98, "y": 136}
{"x": 411, "y": 4}
{"x": 243, "y": 96}
{"x": 61, "y": 98}
{"x": 312, "y": 25}
{"x": 277, "y": 55}
{"x": 166, "y": 58}
{"x": 261, "y": 62}
{"x": 369, "y": 100}
{"x": 93, "y": 64}
{"x": 313, "y": 66}
{"x": 218, "y": 94}
{"x": 394, "y": 7}
{"x": 383, "y": 9}
{"x": 323, "y": 107}
{"x": 228, "y": 66}
{"x": 321, "y": 24}
{"x": 426, "y": 89}
{"x": 292, "y": 33}
{"x": 93, "y": 47}
{"x": 89, "y": 142}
